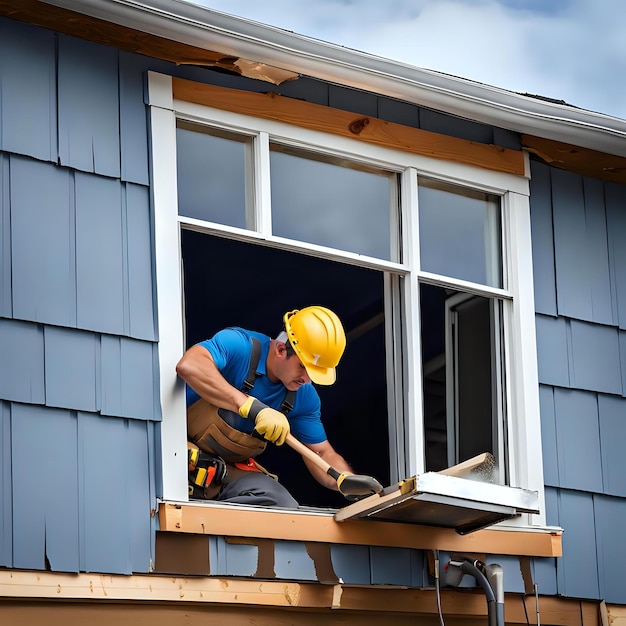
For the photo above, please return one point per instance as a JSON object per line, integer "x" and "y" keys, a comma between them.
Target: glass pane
{"x": 460, "y": 233}
{"x": 212, "y": 174}
{"x": 332, "y": 203}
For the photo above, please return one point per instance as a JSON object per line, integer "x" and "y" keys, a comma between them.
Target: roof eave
{"x": 182, "y": 21}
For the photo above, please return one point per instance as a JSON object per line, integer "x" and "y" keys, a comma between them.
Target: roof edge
{"x": 213, "y": 30}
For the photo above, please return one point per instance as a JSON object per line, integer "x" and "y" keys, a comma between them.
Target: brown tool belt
{"x": 208, "y": 429}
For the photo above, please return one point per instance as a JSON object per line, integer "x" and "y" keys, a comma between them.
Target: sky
{"x": 571, "y": 50}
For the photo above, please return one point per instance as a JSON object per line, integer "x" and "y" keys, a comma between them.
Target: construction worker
{"x": 245, "y": 389}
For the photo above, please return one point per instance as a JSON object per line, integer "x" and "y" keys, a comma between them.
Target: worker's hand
{"x": 357, "y": 486}
{"x": 270, "y": 423}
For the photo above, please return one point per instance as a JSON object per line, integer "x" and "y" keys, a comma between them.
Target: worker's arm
{"x": 198, "y": 370}
{"x": 333, "y": 458}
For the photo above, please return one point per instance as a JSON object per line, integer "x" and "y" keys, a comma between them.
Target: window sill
{"x": 209, "y": 518}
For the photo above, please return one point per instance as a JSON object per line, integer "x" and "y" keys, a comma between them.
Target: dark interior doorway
{"x": 232, "y": 283}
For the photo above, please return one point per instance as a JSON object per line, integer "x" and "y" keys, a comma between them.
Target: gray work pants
{"x": 257, "y": 489}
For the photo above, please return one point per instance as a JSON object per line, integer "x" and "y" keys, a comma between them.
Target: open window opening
{"x": 232, "y": 283}
{"x": 462, "y": 361}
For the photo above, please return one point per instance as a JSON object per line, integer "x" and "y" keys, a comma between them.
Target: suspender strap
{"x": 248, "y": 384}
{"x": 287, "y": 404}
{"x": 255, "y": 355}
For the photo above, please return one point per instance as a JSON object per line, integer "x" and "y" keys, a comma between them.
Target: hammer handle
{"x": 307, "y": 453}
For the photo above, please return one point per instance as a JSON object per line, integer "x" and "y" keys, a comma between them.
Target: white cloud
{"x": 572, "y": 50}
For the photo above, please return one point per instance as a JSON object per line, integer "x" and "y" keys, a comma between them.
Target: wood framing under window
{"x": 226, "y": 521}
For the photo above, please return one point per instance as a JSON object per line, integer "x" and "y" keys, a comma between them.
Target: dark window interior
{"x": 474, "y": 380}
{"x": 232, "y": 283}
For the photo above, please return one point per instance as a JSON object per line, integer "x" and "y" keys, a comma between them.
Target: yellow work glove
{"x": 270, "y": 423}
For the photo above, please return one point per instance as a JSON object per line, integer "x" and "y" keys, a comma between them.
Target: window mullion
{"x": 262, "y": 210}
{"x": 412, "y": 361}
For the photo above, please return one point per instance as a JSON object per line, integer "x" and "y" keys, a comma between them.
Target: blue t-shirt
{"x": 231, "y": 350}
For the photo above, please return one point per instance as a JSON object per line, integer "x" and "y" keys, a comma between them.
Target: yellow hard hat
{"x": 318, "y": 339}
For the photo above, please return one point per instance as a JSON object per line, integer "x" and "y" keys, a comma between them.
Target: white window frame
{"x": 522, "y": 389}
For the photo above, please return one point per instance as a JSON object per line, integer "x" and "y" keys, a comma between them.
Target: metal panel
{"x": 28, "y": 88}
{"x": 128, "y": 378}
{"x": 6, "y": 508}
{"x": 577, "y": 572}
{"x": 89, "y": 126}
{"x": 580, "y": 247}
{"x": 595, "y": 358}
{"x": 307, "y": 89}
{"x": 240, "y": 559}
{"x": 352, "y": 563}
{"x": 544, "y": 279}
{"x": 615, "y": 199}
{"x": 45, "y": 489}
{"x": 292, "y": 562}
{"x": 133, "y": 119}
{"x": 99, "y": 258}
{"x": 513, "y": 581}
{"x": 507, "y": 138}
{"x": 552, "y": 353}
{"x": 390, "y": 566}
{"x": 139, "y": 269}
{"x": 610, "y": 524}
{"x": 548, "y": 436}
{"x": 71, "y": 367}
{"x": 352, "y": 100}
{"x": 42, "y": 243}
{"x": 612, "y": 413}
{"x": 21, "y": 365}
{"x": 6, "y": 304}
{"x": 578, "y": 440}
{"x": 399, "y": 112}
{"x": 104, "y": 461}
{"x": 437, "y": 122}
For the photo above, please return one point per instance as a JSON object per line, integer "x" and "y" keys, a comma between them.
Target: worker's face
{"x": 289, "y": 369}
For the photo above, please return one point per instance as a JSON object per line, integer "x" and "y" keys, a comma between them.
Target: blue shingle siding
{"x": 577, "y": 569}
{"x": 579, "y": 228}
{"x": 22, "y": 363}
{"x": 42, "y": 242}
{"x": 80, "y": 250}
{"x": 578, "y": 440}
{"x": 88, "y": 94}
{"x": 133, "y": 119}
{"x": 544, "y": 278}
{"x": 610, "y": 515}
{"x": 615, "y": 198}
{"x": 612, "y": 417}
{"x": 6, "y": 305}
{"x": 86, "y": 506}
{"x": 28, "y": 90}
{"x": 6, "y": 508}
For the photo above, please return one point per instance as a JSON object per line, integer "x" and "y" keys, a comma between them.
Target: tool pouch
{"x": 208, "y": 428}
{"x": 207, "y": 473}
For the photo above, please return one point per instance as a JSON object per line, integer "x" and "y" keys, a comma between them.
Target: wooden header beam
{"x": 372, "y": 130}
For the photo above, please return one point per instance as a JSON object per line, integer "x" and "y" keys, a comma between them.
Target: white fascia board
{"x": 213, "y": 30}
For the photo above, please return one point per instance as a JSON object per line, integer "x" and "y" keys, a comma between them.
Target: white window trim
{"x": 521, "y": 366}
